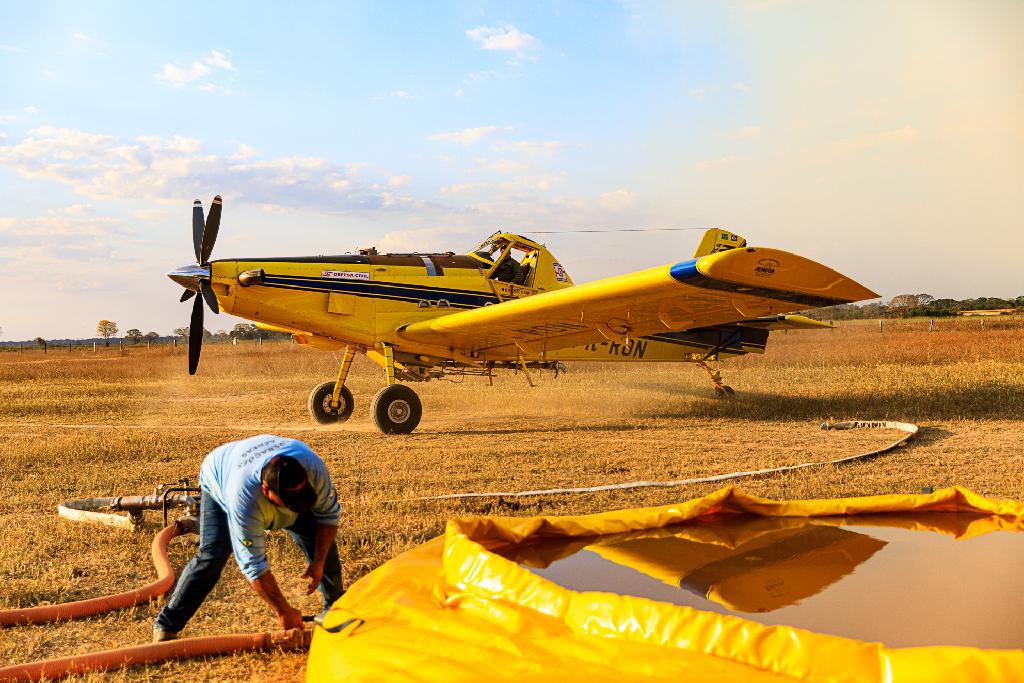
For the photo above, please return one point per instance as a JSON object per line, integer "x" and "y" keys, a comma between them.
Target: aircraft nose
{"x": 189, "y": 276}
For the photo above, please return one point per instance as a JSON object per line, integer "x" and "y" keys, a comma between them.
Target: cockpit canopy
{"x": 520, "y": 261}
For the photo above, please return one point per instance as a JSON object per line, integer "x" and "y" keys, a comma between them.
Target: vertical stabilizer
{"x": 716, "y": 240}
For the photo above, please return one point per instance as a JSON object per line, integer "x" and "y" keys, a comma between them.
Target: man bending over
{"x": 249, "y": 487}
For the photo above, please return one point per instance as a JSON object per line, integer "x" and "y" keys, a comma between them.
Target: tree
{"x": 152, "y": 336}
{"x": 902, "y": 303}
{"x": 40, "y": 342}
{"x": 181, "y": 332}
{"x": 106, "y": 329}
{"x": 133, "y": 335}
{"x": 244, "y": 331}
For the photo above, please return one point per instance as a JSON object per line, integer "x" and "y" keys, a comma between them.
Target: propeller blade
{"x": 210, "y": 232}
{"x": 186, "y": 295}
{"x": 211, "y": 298}
{"x": 195, "y": 336}
{"x": 198, "y": 223}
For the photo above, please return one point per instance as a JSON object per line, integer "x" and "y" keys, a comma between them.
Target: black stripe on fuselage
{"x": 383, "y": 290}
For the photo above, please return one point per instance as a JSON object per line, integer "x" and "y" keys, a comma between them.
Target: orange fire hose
{"x": 107, "y": 603}
{"x": 294, "y": 639}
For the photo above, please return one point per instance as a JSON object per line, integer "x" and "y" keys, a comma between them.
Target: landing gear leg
{"x": 396, "y": 408}
{"x": 332, "y": 401}
{"x": 721, "y": 390}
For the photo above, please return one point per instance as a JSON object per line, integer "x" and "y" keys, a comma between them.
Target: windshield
{"x": 490, "y": 248}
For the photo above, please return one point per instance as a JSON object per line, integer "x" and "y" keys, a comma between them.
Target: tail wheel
{"x": 320, "y": 408}
{"x": 724, "y": 391}
{"x": 396, "y": 409}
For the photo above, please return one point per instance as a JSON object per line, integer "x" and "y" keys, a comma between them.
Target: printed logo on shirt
{"x": 247, "y": 542}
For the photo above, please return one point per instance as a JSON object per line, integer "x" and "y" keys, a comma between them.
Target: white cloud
{"x": 889, "y": 138}
{"x": 503, "y": 165}
{"x": 244, "y": 151}
{"x": 425, "y": 240}
{"x": 461, "y": 188}
{"x": 179, "y": 77}
{"x": 402, "y": 95}
{"x": 218, "y": 59}
{"x": 74, "y": 233}
{"x": 31, "y": 110}
{"x": 741, "y": 87}
{"x": 700, "y": 93}
{"x": 150, "y": 215}
{"x": 81, "y": 40}
{"x": 177, "y": 168}
{"x": 746, "y": 133}
{"x": 547, "y": 148}
{"x": 399, "y": 180}
{"x": 12, "y": 49}
{"x": 479, "y": 76}
{"x": 617, "y": 200}
{"x": 504, "y": 39}
{"x": 468, "y": 136}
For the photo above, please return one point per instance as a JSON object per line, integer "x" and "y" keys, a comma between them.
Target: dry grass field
{"x": 82, "y": 424}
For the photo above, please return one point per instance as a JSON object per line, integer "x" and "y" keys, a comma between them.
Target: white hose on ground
{"x": 909, "y": 431}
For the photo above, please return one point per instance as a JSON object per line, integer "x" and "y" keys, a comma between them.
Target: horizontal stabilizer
{"x": 786, "y": 322}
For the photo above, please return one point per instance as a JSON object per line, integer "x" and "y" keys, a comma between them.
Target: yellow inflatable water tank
{"x": 727, "y": 587}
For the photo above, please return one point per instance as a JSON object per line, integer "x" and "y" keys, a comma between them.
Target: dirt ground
{"x": 117, "y": 423}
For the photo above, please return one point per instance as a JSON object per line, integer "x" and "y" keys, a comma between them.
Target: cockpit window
{"x": 491, "y": 248}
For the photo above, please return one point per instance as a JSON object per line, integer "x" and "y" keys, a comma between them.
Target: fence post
{"x": 94, "y": 347}
{"x": 174, "y": 340}
{"x": 879, "y": 324}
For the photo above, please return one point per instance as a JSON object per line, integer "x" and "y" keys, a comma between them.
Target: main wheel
{"x": 724, "y": 391}
{"x": 396, "y": 409}
{"x": 320, "y": 408}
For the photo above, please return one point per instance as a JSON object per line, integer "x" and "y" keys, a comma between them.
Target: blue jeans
{"x": 203, "y": 570}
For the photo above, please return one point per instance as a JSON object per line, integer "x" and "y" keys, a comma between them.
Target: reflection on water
{"x": 906, "y": 580}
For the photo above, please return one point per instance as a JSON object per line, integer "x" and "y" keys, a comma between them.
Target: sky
{"x": 884, "y": 139}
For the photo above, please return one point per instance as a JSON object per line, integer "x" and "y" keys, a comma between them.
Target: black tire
{"x": 320, "y": 404}
{"x": 396, "y": 409}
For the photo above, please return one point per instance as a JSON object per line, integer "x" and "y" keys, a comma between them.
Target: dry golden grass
{"x": 79, "y": 424}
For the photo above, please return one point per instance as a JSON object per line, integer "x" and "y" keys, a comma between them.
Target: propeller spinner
{"x": 196, "y": 277}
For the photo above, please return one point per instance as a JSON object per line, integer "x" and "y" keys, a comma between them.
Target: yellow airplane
{"x": 507, "y": 304}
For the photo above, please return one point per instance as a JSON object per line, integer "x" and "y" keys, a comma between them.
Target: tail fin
{"x": 716, "y": 240}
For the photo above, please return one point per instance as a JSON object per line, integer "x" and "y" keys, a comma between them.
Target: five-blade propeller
{"x": 204, "y": 236}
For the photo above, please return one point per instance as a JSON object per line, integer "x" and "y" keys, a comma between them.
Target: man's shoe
{"x": 160, "y": 635}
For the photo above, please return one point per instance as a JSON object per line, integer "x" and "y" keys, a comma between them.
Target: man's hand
{"x": 315, "y": 573}
{"x": 289, "y": 618}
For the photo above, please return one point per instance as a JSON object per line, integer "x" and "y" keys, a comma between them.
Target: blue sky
{"x": 882, "y": 139}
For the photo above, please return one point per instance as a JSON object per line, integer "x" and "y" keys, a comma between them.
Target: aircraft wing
{"x": 738, "y": 285}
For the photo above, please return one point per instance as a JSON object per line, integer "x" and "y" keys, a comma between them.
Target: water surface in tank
{"x": 905, "y": 580}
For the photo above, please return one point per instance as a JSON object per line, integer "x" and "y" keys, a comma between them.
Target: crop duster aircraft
{"x": 507, "y": 304}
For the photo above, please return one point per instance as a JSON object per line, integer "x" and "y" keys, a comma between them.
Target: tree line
{"x": 108, "y": 329}
{"x": 915, "y": 306}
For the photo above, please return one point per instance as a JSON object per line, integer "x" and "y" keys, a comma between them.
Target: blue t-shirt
{"x": 232, "y": 475}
